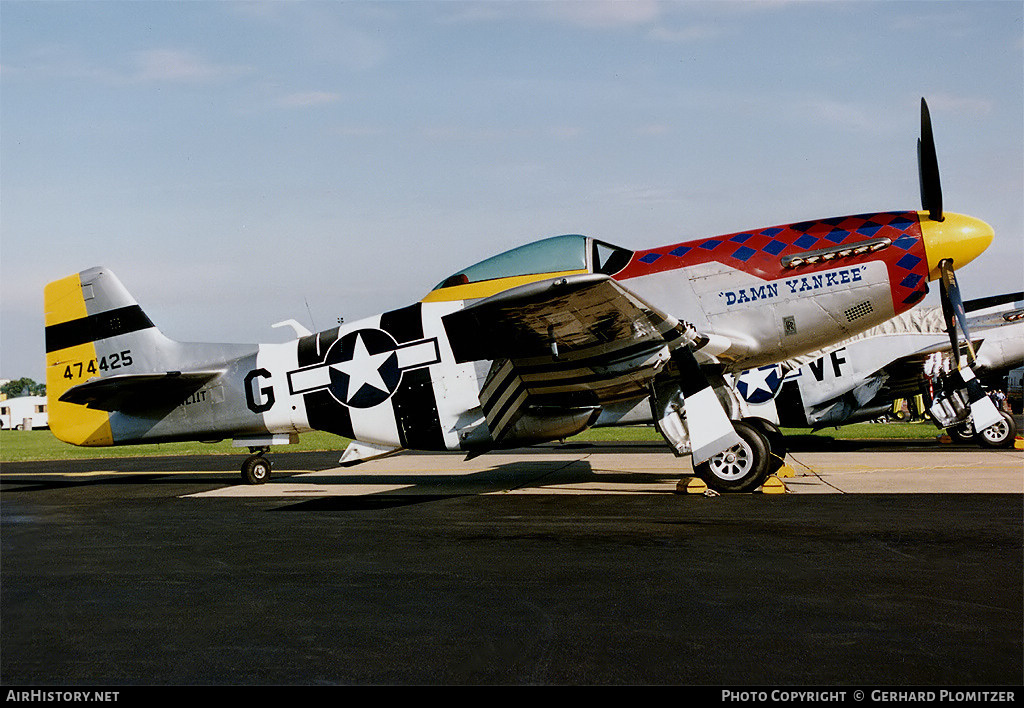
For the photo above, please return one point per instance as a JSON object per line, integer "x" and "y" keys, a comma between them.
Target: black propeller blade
{"x": 928, "y": 168}
{"x": 953, "y": 313}
{"x": 983, "y": 412}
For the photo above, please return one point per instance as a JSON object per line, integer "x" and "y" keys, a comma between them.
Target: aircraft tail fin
{"x": 94, "y": 330}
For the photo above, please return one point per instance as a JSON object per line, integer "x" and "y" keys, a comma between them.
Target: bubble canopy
{"x": 571, "y": 253}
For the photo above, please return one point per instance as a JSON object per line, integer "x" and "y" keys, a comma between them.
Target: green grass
{"x": 20, "y": 446}
{"x": 858, "y": 431}
{"x": 921, "y": 430}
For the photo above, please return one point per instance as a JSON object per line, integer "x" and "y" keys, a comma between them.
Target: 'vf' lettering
{"x": 818, "y": 365}
{"x": 837, "y": 359}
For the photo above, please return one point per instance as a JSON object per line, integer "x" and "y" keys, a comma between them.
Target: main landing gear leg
{"x": 256, "y": 468}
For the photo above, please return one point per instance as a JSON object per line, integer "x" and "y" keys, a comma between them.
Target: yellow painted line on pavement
{"x": 122, "y": 473}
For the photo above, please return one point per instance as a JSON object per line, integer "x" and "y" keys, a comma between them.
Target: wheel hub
{"x": 733, "y": 463}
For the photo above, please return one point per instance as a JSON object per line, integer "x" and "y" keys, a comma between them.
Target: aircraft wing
{"x": 997, "y": 338}
{"x": 126, "y": 392}
{"x": 997, "y": 319}
{"x": 563, "y": 345}
{"x": 572, "y": 314}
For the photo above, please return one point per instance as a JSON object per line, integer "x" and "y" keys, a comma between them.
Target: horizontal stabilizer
{"x": 138, "y": 393}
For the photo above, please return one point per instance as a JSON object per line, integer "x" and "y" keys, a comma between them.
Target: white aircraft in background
{"x": 910, "y": 355}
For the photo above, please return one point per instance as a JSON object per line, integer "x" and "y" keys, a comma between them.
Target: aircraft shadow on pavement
{"x": 370, "y": 502}
{"x": 113, "y": 480}
{"x": 419, "y": 488}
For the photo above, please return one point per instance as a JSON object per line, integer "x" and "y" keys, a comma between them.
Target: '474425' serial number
{"x": 117, "y": 360}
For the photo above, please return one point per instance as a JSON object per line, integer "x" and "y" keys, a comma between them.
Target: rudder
{"x": 94, "y": 329}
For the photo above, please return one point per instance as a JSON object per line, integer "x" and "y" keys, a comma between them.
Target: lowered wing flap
{"x": 138, "y": 393}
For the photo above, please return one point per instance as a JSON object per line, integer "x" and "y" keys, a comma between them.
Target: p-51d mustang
{"x": 532, "y": 345}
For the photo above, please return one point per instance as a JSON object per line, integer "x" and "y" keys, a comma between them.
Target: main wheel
{"x": 741, "y": 468}
{"x": 999, "y": 435}
{"x": 256, "y": 469}
{"x": 777, "y": 447}
{"x": 962, "y": 433}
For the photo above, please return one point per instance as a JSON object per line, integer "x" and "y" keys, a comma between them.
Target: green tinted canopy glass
{"x": 551, "y": 255}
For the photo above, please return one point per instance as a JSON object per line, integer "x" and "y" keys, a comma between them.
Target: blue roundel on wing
{"x": 760, "y": 385}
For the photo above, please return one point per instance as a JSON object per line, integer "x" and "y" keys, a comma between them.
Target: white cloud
{"x": 179, "y": 66}
{"x": 653, "y": 130}
{"x": 308, "y": 99}
{"x": 358, "y": 131}
{"x": 335, "y": 34}
{"x": 690, "y": 33}
{"x": 844, "y": 114}
{"x": 603, "y": 13}
{"x": 961, "y": 105}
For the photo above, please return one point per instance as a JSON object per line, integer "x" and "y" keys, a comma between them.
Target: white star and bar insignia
{"x": 364, "y": 368}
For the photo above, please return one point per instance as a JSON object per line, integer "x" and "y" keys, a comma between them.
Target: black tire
{"x": 256, "y": 470}
{"x": 777, "y": 447}
{"x": 962, "y": 433}
{"x": 742, "y": 468}
{"x": 1000, "y": 435}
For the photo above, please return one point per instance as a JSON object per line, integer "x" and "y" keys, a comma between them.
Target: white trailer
{"x": 15, "y": 412}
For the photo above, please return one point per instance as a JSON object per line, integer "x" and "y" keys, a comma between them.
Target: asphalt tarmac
{"x": 885, "y": 564}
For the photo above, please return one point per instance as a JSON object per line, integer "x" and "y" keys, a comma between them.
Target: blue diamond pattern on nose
{"x": 910, "y": 281}
{"x": 908, "y": 261}
{"x": 744, "y": 253}
{"x": 900, "y": 222}
{"x": 869, "y": 229}
{"x": 913, "y": 297}
{"x": 759, "y": 251}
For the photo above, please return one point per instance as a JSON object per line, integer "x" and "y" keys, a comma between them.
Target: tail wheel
{"x": 256, "y": 469}
{"x": 999, "y": 435}
{"x": 741, "y": 468}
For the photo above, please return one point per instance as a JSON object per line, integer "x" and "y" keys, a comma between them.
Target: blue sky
{"x": 237, "y": 164}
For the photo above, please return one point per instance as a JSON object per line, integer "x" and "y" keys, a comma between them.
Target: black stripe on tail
{"x": 93, "y": 328}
